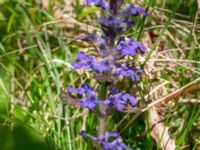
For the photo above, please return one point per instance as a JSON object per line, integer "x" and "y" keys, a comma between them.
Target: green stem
{"x": 101, "y": 119}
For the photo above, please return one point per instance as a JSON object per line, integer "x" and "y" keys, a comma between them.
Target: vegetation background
{"x": 37, "y": 46}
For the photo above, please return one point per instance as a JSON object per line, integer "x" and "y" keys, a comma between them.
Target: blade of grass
{"x": 160, "y": 35}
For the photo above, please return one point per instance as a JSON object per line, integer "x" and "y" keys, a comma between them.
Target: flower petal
{"x": 129, "y": 47}
{"x": 98, "y": 3}
{"x": 134, "y": 10}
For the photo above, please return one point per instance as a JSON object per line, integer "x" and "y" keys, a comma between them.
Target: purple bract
{"x": 112, "y": 26}
{"x": 114, "y": 5}
{"x": 100, "y": 43}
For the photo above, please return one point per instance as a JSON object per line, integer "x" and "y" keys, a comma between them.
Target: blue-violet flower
{"x": 127, "y": 71}
{"x": 109, "y": 141}
{"x": 129, "y": 47}
{"x": 119, "y": 100}
{"x": 90, "y": 101}
{"x": 134, "y": 10}
{"x": 84, "y": 61}
{"x": 98, "y": 3}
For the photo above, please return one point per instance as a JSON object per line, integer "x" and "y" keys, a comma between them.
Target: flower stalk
{"x": 101, "y": 115}
{"x": 108, "y": 67}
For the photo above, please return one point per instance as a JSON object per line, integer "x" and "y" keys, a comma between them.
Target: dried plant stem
{"x": 176, "y": 94}
{"x": 160, "y": 131}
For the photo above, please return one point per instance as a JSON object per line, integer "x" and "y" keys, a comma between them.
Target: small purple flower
{"x": 80, "y": 90}
{"x": 129, "y": 47}
{"x": 82, "y": 133}
{"x": 102, "y": 43}
{"x": 120, "y": 100}
{"x": 126, "y": 70}
{"x": 103, "y": 66}
{"x": 84, "y": 89}
{"x": 129, "y": 98}
{"x": 90, "y": 101}
{"x": 108, "y": 141}
{"x": 98, "y": 3}
{"x": 84, "y": 61}
{"x": 117, "y": 102}
{"x": 130, "y": 22}
{"x": 134, "y": 10}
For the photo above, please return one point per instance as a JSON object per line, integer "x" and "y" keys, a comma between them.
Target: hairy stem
{"x": 101, "y": 126}
{"x": 101, "y": 118}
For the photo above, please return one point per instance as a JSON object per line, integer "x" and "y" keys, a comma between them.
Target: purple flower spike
{"x": 85, "y": 61}
{"x": 130, "y": 72}
{"x": 129, "y": 47}
{"x": 135, "y": 10}
{"x": 98, "y": 3}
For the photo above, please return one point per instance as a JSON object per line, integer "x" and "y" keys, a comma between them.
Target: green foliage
{"x": 20, "y": 137}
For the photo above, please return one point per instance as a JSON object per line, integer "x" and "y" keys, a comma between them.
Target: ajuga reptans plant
{"x": 108, "y": 66}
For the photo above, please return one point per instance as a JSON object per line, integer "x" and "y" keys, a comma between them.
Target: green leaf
{"x": 91, "y": 10}
{"x": 19, "y": 113}
{"x": 3, "y": 1}
{"x": 2, "y": 17}
{"x": 177, "y": 122}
